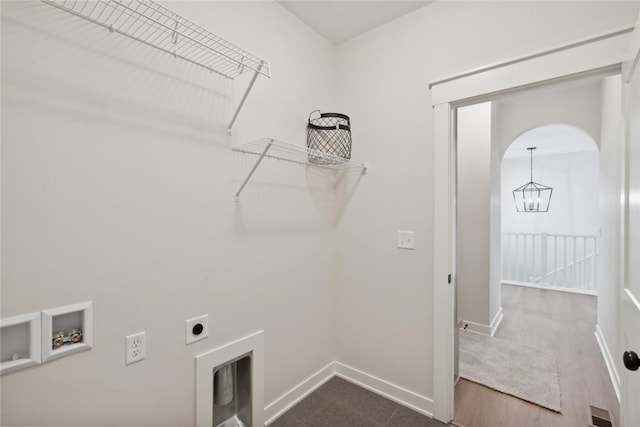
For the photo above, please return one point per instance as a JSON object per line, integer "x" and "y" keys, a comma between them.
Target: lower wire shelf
{"x": 276, "y": 149}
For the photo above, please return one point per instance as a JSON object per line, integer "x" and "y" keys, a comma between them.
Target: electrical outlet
{"x": 136, "y": 348}
{"x": 196, "y": 329}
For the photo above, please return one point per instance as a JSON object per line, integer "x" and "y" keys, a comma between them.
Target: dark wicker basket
{"x": 329, "y": 133}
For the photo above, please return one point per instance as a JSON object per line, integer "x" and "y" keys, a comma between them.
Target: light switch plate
{"x": 406, "y": 239}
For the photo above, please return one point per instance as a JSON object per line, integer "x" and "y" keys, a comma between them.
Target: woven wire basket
{"x": 330, "y": 133}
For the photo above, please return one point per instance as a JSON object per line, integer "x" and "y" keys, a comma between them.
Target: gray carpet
{"x": 510, "y": 367}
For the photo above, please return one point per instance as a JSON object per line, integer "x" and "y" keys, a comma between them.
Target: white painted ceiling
{"x": 551, "y": 139}
{"x": 341, "y": 20}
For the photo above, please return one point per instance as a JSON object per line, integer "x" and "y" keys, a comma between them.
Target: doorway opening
{"x": 537, "y": 251}
{"x": 612, "y": 54}
{"x": 556, "y": 249}
{"x": 509, "y": 288}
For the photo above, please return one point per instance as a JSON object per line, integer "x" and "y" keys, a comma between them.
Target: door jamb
{"x": 598, "y": 55}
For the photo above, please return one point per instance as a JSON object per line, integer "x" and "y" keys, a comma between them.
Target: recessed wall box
{"x": 19, "y": 342}
{"x": 232, "y": 393}
{"x": 230, "y": 384}
{"x": 67, "y": 330}
{"x": 196, "y": 329}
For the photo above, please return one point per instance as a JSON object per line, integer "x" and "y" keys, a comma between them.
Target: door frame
{"x": 629, "y": 305}
{"x": 602, "y": 54}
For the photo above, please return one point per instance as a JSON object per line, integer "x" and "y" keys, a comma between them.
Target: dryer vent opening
{"x": 230, "y": 384}
{"x": 232, "y": 393}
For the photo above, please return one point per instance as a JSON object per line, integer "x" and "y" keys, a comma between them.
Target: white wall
{"x": 478, "y": 270}
{"x": 574, "y": 202}
{"x": 577, "y": 104}
{"x": 117, "y": 187}
{"x": 611, "y": 167}
{"x": 495, "y": 222}
{"x": 384, "y": 296}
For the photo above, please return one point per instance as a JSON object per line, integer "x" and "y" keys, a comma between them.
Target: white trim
{"x": 551, "y": 288}
{"x": 598, "y": 57}
{"x": 33, "y": 320}
{"x": 476, "y": 328}
{"x": 86, "y": 310}
{"x": 206, "y": 362}
{"x": 602, "y": 53}
{"x": 481, "y": 329}
{"x": 398, "y": 394}
{"x": 444, "y": 321}
{"x": 632, "y": 298}
{"x": 497, "y": 319}
{"x": 591, "y": 39}
{"x": 633, "y": 54}
{"x": 609, "y": 361}
{"x": 282, "y": 404}
{"x": 404, "y": 397}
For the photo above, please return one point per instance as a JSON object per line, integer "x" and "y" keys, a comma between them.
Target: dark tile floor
{"x": 339, "y": 403}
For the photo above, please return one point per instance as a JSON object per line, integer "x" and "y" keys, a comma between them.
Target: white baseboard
{"x": 609, "y": 361}
{"x": 398, "y": 394}
{"x": 476, "y": 327}
{"x": 551, "y": 288}
{"x": 479, "y": 328}
{"x": 496, "y": 321}
{"x": 276, "y": 408}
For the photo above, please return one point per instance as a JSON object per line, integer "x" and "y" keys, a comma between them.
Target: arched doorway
{"x": 556, "y": 248}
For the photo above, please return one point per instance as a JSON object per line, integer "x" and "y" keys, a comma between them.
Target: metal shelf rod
{"x": 244, "y": 98}
{"x": 151, "y": 24}
{"x": 280, "y": 150}
{"x": 253, "y": 169}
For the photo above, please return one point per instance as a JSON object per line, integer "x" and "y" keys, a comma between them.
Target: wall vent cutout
{"x": 599, "y": 417}
{"x": 230, "y": 384}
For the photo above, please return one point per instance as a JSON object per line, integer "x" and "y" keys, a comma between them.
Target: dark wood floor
{"x": 565, "y": 324}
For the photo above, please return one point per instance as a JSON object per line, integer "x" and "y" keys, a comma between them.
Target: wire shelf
{"x": 281, "y": 150}
{"x": 289, "y": 152}
{"x": 159, "y": 27}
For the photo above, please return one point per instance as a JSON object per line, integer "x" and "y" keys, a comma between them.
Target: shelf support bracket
{"x": 253, "y": 169}
{"x": 244, "y": 98}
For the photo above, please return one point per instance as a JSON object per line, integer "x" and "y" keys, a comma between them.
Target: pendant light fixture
{"x": 532, "y": 197}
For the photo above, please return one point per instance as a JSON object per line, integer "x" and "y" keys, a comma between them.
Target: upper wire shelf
{"x": 159, "y": 27}
{"x": 281, "y": 150}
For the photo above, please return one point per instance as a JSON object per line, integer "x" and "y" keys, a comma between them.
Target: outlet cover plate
{"x": 196, "y": 329}
{"x": 136, "y": 347}
{"x": 406, "y": 239}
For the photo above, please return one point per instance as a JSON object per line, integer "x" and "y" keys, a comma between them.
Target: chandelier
{"x": 532, "y": 196}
